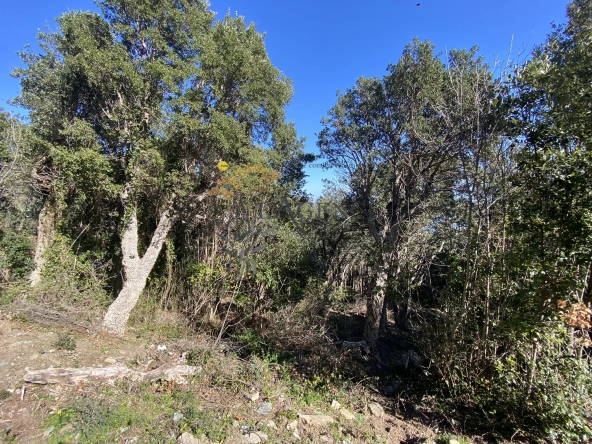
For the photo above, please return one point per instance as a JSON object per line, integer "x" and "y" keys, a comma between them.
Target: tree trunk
{"x": 587, "y": 293}
{"x": 384, "y": 315}
{"x": 374, "y": 304}
{"x": 136, "y": 270}
{"x": 46, "y": 232}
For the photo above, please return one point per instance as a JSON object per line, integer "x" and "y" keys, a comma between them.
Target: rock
{"x": 252, "y": 396}
{"x": 256, "y": 437}
{"x": 292, "y": 425}
{"x": 161, "y": 348}
{"x": 270, "y": 424}
{"x": 246, "y": 429}
{"x": 281, "y": 398}
{"x": 335, "y": 405}
{"x": 188, "y": 438}
{"x": 376, "y": 409}
{"x": 453, "y": 441}
{"x": 347, "y": 414}
{"x": 265, "y": 409}
{"x": 252, "y": 438}
{"x": 315, "y": 420}
{"x": 111, "y": 361}
{"x": 325, "y": 438}
{"x": 296, "y": 435}
{"x": 178, "y": 416}
{"x": 361, "y": 345}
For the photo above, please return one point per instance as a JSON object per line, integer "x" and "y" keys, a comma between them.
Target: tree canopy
{"x": 449, "y": 261}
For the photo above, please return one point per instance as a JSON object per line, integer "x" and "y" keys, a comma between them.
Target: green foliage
{"x": 15, "y": 254}
{"x": 146, "y": 98}
{"x": 500, "y": 344}
{"x": 138, "y": 411}
{"x": 552, "y": 215}
{"x": 198, "y": 357}
{"x": 287, "y": 265}
{"x": 132, "y": 109}
{"x": 8, "y": 436}
{"x": 255, "y": 342}
{"x": 65, "y": 341}
{"x": 538, "y": 387}
{"x": 75, "y": 283}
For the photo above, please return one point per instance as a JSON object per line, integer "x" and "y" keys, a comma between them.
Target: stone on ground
{"x": 252, "y": 396}
{"x": 315, "y": 420}
{"x": 188, "y": 438}
{"x": 265, "y": 408}
{"x": 376, "y": 409}
{"x": 347, "y": 414}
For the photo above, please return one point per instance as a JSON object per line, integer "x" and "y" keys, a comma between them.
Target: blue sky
{"x": 325, "y": 45}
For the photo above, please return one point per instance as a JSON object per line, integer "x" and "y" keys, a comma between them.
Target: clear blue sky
{"x": 325, "y": 45}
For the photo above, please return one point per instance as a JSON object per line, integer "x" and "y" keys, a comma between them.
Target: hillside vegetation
{"x": 154, "y": 195}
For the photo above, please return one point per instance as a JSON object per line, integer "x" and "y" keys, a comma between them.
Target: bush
{"x": 73, "y": 286}
{"x": 65, "y": 342}
{"x": 533, "y": 385}
{"x": 15, "y": 255}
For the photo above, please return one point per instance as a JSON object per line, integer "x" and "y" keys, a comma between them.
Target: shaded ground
{"x": 396, "y": 370}
{"x": 213, "y": 404}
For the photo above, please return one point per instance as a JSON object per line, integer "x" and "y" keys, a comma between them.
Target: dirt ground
{"x": 28, "y": 346}
{"x": 25, "y": 347}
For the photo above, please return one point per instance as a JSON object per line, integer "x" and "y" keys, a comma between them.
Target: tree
{"x": 163, "y": 93}
{"x": 15, "y": 197}
{"x": 388, "y": 140}
{"x": 551, "y": 111}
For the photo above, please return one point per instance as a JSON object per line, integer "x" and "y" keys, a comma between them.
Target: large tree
{"x": 404, "y": 146}
{"x": 160, "y": 93}
{"x": 384, "y": 136}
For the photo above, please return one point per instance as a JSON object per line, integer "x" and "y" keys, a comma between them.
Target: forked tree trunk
{"x": 135, "y": 270}
{"x": 46, "y": 232}
{"x": 375, "y": 302}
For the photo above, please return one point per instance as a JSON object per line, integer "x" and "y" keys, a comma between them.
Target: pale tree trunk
{"x": 135, "y": 269}
{"x": 375, "y": 302}
{"x": 384, "y": 315}
{"x": 46, "y": 232}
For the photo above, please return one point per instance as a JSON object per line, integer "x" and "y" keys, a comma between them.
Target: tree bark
{"x": 375, "y": 302}
{"x": 46, "y": 232}
{"x": 384, "y": 316}
{"x": 136, "y": 270}
{"x": 587, "y": 293}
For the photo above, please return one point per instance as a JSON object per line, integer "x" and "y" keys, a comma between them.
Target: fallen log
{"x": 73, "y": 376}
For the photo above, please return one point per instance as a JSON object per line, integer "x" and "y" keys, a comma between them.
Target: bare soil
{"x": 29, "y": 346}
